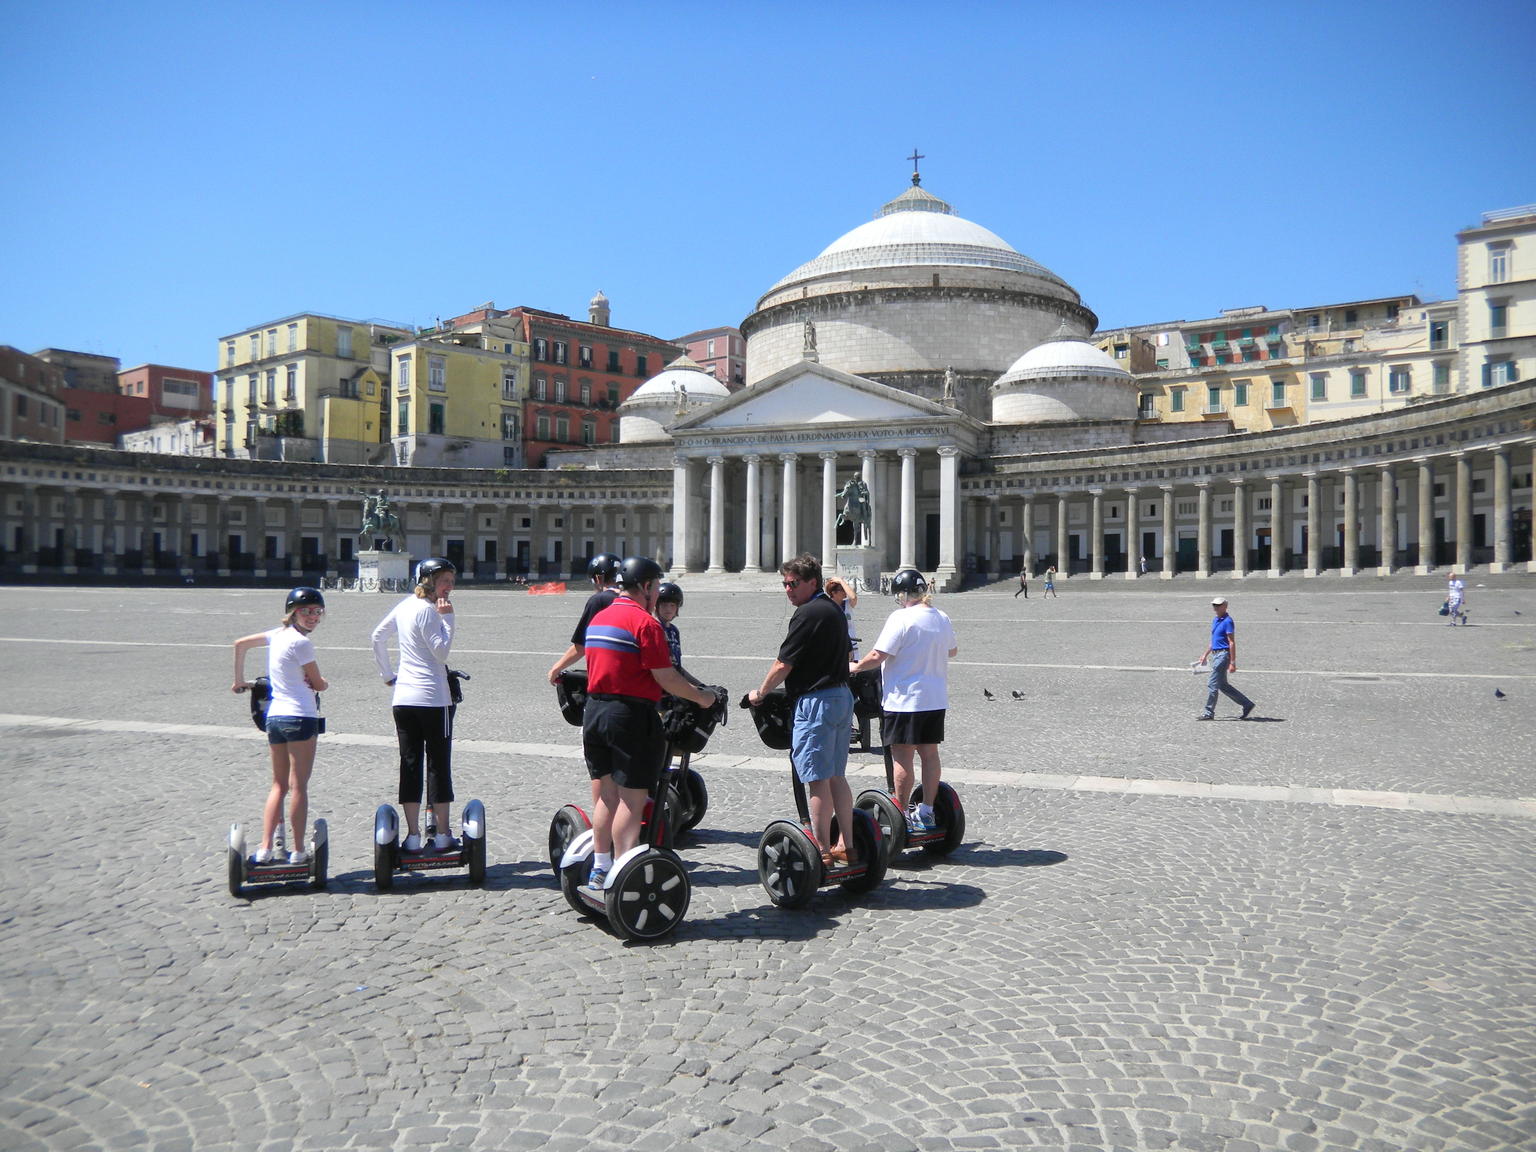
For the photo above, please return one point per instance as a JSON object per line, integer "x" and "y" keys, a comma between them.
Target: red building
{"x": 173, "y": 393}
{"x": 581, "y": 372}
{"x": 30, "y": 404}
{"x": 93, "y": 417}
{"x": 722, "y": 352}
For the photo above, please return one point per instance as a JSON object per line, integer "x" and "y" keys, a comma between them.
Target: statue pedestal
{"x": 861, "y": 562}
{"x": 375, "y": 569}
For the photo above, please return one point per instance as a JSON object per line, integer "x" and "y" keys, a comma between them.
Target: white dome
{"x": 676, "y": 391}
{"x": 682, "y": 375}
{"x": 1063, "y": 355}
{"x": 1064, "y": 379}
{"x": 916, "y": 229}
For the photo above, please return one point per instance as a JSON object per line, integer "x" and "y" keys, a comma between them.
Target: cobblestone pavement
{"x": 1313, "y": 932}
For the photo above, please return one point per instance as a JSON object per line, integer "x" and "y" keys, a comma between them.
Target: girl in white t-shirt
{"x": 293, "y": 714}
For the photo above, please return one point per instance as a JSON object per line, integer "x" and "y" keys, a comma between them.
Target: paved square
{"x": 1314, "y": 931}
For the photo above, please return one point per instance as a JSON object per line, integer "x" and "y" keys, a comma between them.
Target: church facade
{"x": 919, "y": 353}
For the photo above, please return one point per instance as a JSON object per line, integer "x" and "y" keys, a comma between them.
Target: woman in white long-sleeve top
{"x": 423, "y": 626}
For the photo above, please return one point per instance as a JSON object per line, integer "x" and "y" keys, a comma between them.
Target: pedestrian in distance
{"x": 1050, "y": 582}
{"x": 293, "y": 714}
{"x": 422, "y": 705}
{"x": 914, "y": 647}
{"x": 629, "y": 668}
{"x": 1456, "y": 600}
{"x": 813, "y": 667}
{"x": 846, "y": 599}
{"x": 1141, "y": 568}
{"x": 1222, "y": 658}
{"x": 1023, "y": 584}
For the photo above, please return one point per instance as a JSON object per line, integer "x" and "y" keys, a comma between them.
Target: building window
{"x": 540, "y": 388}
{"x": 1240, "y": 394}
{"x": 1357, "y": 384}
{"x": 588, "y": 432}
{"x": 403, "y": 374}
{"x": 540, "y": 348}
{"x": 542, "y": 424}
{"x": 613, "y": 360}
{"x": 437, "y": 373}
{"x": 1122, "y": 351}
{"x": 1187, "y": 507}
{"x": 1498, "y": 318}
{"x": 344, "y": 342}
{"x": 1319, "y": 385}
{"x": 402, "y": 418}
{"x": 509, "y": 425}
{"x": 349, "y": 389}
{"x": 1176, "y": 399}
{"x": 229, "y": 353}
{"x": 559, "y": 389}
{"x": 1498, "y": 263}
{"x": 709, "y": 348}
{"x": 1148, "y": 406}
{"x": 562, "y": 428}
{"x": 1213, "y": 399}
{"x": 1439, "y": 334}
{"x": 559, "y": 351}
{"x": 1277, "y": 394}
{"x": 586, "y": 392}
{"x": 271, "y": 341}
{"x": 250, "y": 390}
{"x": 1351, "y": 317}
{"x": 1400, "y": 380}
{"x": 1162, "y": 364}
{"x": 584, "y": 354}
{"x": 269, "y": 394}
{"x": 291, "y": 385}
{"x": 1499, "y": 372}
{"x": 1314, "y": 321}
{"x": 255, "y": 346}
{"x": 613, "y": 395}
{"x": 640, "y": 366}
{"x": 435, "y": 416}
{"x": 613, "y": 432}
{"x": 1250, "y": 353}
{"x": 509, "y": 384}
{"x": 509, "y": 455}
{"x": 293, "y": 337}
{"x": 1442, "y": 377}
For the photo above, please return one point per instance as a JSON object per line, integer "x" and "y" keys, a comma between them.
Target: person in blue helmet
{"x": 293, "y": 715}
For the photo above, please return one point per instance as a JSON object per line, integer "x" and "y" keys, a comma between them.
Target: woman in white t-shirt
{"x": 423, "y": 709}
{"x": 915, "y": 648}
{"x": 293, "y": 714}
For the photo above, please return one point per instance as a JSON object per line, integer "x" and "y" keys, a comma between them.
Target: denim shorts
{"x": 820, "y": 733}
{"x": 292, "y": 729}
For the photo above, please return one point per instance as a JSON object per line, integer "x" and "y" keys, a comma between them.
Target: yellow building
{"x": 306, "y": 387}
{"x": 456, "y": 396}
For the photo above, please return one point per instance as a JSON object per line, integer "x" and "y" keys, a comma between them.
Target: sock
{"x": 603, "y": 860}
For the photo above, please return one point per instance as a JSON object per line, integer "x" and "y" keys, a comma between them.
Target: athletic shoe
{"x": 443, "y": 842}
{"x": 914, "y": 821}
{"x": 263, "y": 856}
{"x": 298, "y": 856}
{"x": 597, "y": 879}
{"x": 412, "y": 843}
{"x": 929, "y": 822}
{"x": 1247, "y": 708}
{"x": 1205, "y": 716}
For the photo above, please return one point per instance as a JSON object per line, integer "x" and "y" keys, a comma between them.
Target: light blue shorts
{"x": 819, "y": 741}
{"x": 292, "y": 729}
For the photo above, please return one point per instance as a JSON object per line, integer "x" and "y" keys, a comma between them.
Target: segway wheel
{"x": 649, "y": 896}
{"x": 384, "y": 867}
{"x": 236, "y": 874}
{"x": 950, "y": 815}
{"x": 474, "y": 856}
{"x": 695, "y": 799}
{"x": 890, "y": 819}
{"x": 573, "y": 877}
{"x": 788, "y": 864}
{"x": 569, "y": 823}
{"x": 866, "y": 841}
{"x": 320, "y": 858}
{"x": 386, "y": 827}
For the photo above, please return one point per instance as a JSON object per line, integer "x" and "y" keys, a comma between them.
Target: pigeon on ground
{"x": 987, "y": 693}
{"x": 1017, "y": 695}
{"x": 1498, "y": 693}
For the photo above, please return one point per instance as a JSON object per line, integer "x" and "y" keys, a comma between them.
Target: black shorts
{"x": 912, "y": 727}
{"x": 622, "y": 737}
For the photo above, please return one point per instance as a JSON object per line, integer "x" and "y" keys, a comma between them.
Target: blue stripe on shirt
{"x": 612, "y": 638}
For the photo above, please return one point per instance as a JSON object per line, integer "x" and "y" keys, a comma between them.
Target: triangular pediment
{"x": 808, "y": 393}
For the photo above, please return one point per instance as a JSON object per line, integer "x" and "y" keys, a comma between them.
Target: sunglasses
{"x": 791, "y": 584}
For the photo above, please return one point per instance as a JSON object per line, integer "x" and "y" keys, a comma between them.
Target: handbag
{"x": 1445, "y": 609}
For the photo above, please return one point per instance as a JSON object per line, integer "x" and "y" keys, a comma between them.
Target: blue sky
{"x": 178, "y": 172}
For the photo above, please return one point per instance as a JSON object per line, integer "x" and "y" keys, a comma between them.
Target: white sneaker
{"x": 298, "y": 856}
{"x": 263, "y": 856}
{"x": 443, "y": 842}
{"x": 412, "y": 843}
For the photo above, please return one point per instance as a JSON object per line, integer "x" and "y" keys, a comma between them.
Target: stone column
{"x": 829, "y": 510}
{"x": 257, "y": 542}
{"x": 1463, "y": 512}
{"x": 908, "y": 554}
{"x": 867, "y": 474}
{"x": 679, "y": 514}
{"x": 1350, "y": 563}
{"x": 716, "y": 514}
{"x": 1096, "y": 535}
{"x": 1387, "y": 540}
{"x": 1170, "y": 534}
{"x": 220, "y": 533}
{"x": 1132, "y": 533}
{"x": 1501, "y": 523}
{"x": 1063, "y": 562}
{"x": 293, "y": 538}
{"x": 789, "y": 516}
{"x": 1203, "y": 539}
{"x": 949, "y": 517}
{"x": 1314, "y": 519}
{"x": 1277, "y": 526}
{"x": 991, "y": 560}
{"x": 753, "y": 521}
{"x": 1424, "y": 552}
{"x": 29, "y": 521}
{"x": 1239, "y": 528}
{"x": 1027, "y": 531}
{"x": 328, "y": 535}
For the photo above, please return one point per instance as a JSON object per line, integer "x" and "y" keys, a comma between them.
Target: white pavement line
{"x": 1524, "y": 808}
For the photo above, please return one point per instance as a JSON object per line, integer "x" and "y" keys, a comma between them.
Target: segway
{"x": 948, "y": 814}
{"x": 789, "y": 863}
{"x": 391, "y": 856}
{"x": 242, "y": 866}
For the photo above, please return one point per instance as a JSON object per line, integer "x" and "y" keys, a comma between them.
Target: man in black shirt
{"x": 604, "y": 570}
{"x": 813, "y": 667}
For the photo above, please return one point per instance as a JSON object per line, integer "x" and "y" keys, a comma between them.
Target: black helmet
{"x": 604, "y": 565}
{"x": 669, "y": 593}
{"x": 431, "y": 566}
{"x": 304, "y": 595}
{"x": 907, "y": 582}
{"x": 638, "y": 570}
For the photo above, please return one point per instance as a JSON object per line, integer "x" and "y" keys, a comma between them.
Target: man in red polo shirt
{"x": 629, "y": 666}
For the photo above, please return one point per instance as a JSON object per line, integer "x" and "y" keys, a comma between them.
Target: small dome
{"x": 679, "y": 389}
{"x": 1063, "y": 379}
{"x": 682, "y": 375}
{"x": 1064, "y": 354}
{"x": 599, "y": 298}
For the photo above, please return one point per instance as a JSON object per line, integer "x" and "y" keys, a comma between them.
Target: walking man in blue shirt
{"x": 1222, "y": 655}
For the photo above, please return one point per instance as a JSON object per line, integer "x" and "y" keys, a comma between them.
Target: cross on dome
{"x": 915, "y": 157}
